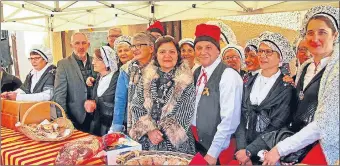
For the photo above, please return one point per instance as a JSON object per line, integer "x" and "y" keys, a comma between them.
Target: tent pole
{"x": 2, "y": 12}
{"x": 15, "y": 55}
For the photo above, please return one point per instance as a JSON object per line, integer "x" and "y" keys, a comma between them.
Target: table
{"x": 17, "y": 149}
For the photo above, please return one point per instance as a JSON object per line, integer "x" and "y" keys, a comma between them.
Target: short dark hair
{"x": 326, "y": 20}
{"x": 163, "y": 40}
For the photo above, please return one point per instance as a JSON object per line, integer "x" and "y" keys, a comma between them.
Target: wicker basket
{"x": 26, "y": 130}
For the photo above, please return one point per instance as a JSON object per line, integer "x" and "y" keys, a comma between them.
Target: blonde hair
{"x": 114, "y": 29}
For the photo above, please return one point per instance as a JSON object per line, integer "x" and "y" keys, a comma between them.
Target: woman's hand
{"x": 289, "y": 80}
{"x": 155, "y": 136}
{"x": 242, "y": 157}
{"x": 90, "y": 106}
{"x": 12, "y": 96}
{"x": 271, "y": 157}
{"x": 89, "y": 81}
{"x": 4, "y": 95}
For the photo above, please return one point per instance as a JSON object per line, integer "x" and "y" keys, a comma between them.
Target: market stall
{"x": 17, "y": 149}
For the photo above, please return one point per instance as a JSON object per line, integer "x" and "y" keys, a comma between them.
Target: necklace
{"x": 316, "y": 66}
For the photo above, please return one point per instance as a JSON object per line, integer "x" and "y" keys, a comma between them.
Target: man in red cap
{"x": 218, "y": 108}
{"x": 156, "y": 29}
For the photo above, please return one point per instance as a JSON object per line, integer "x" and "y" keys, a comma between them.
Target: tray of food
{"x": 153, "y": 158}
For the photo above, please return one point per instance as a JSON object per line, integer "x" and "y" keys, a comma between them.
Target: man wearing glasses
{"x": 38, "y": 85}
{"x": 112, "y": 35}
{"x": 142, "y": 48}
{"x": 70, "y": 87}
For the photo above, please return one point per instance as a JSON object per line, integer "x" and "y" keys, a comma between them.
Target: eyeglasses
{"x": 137, "y": 46}
{"x": 34, "y": 59}
{"x": 231, "y": 58}
{"x": 267, "y": 53}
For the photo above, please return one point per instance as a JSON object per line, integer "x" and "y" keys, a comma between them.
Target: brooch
{"x": 301, "y": 95}
{"x": 205, "y": 91}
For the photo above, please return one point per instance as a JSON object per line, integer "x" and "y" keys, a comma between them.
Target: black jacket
{"x": 103, "y": 115}
{"x": 274, "y": 111}
{"x": 46, "y": 81}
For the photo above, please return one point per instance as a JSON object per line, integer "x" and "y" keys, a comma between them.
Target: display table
{"x": 17, "y": 149}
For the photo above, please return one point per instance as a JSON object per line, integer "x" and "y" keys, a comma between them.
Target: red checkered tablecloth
{"x": 17, "y": 149}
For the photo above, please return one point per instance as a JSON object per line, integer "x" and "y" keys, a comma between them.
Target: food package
{"x": 116, "y": 143}
{"x": 78, "y": 151}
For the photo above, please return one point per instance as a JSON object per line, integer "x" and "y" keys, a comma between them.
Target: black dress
{"x": 103, "y": 115}
{"x": 256, "y": 120}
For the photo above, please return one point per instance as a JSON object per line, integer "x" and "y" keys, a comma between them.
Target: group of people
{"x": 193, "y": 96}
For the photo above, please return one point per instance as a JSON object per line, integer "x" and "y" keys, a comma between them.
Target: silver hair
{"x": 143, "y": 36}
{"x": 77, "y": 33}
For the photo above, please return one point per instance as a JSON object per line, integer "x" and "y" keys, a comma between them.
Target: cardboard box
{"x": 128, "y": 145}
{"x": 13, "y": 112}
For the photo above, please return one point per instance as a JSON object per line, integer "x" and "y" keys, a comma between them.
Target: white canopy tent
{"x": 72, "y": 15}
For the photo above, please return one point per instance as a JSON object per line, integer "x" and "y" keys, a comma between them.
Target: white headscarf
{"x": 238, "y": 49}
{"x": 44, "y": 52}
{"x": 109, "y": 57}
{"x": 189, "y": 41}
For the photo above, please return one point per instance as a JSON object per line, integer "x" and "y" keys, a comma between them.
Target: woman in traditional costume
{"x": 266, "y": 98}
{"x": 102, "y": 103}
{"x": 317, "y": 112}
{"x": 164, "y": 102}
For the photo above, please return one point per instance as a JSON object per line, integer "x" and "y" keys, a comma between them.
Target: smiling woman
{"x": 163, "y": 106}
{"x": 266, "y": 101}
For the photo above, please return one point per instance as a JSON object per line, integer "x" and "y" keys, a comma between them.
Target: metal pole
{"x": 2, "y": 12}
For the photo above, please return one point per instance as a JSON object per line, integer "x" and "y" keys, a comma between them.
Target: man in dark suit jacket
{"x": 70, "y": 87}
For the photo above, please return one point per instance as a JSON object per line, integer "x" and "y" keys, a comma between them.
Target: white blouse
{"x": 42, "y": 96}
{"x": 311, "y": 72}
{"x": 231, "y": 87}
{"x": 104, "y": 83}
{"x": 262, "y": 87}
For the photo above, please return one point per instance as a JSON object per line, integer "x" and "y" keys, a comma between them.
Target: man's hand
{"x": 12, "y": 96}
{"x": 155, "y": 136}
{"x": 211, "y": 160}
{"x": 242, "y": 157}
{"x": 90, "y": 106}
{"x": 89, "y": 81}
{"x": 271, "y": 157}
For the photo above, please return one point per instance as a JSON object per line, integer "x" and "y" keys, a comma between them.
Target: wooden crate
{"x": 13, "y": 111}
